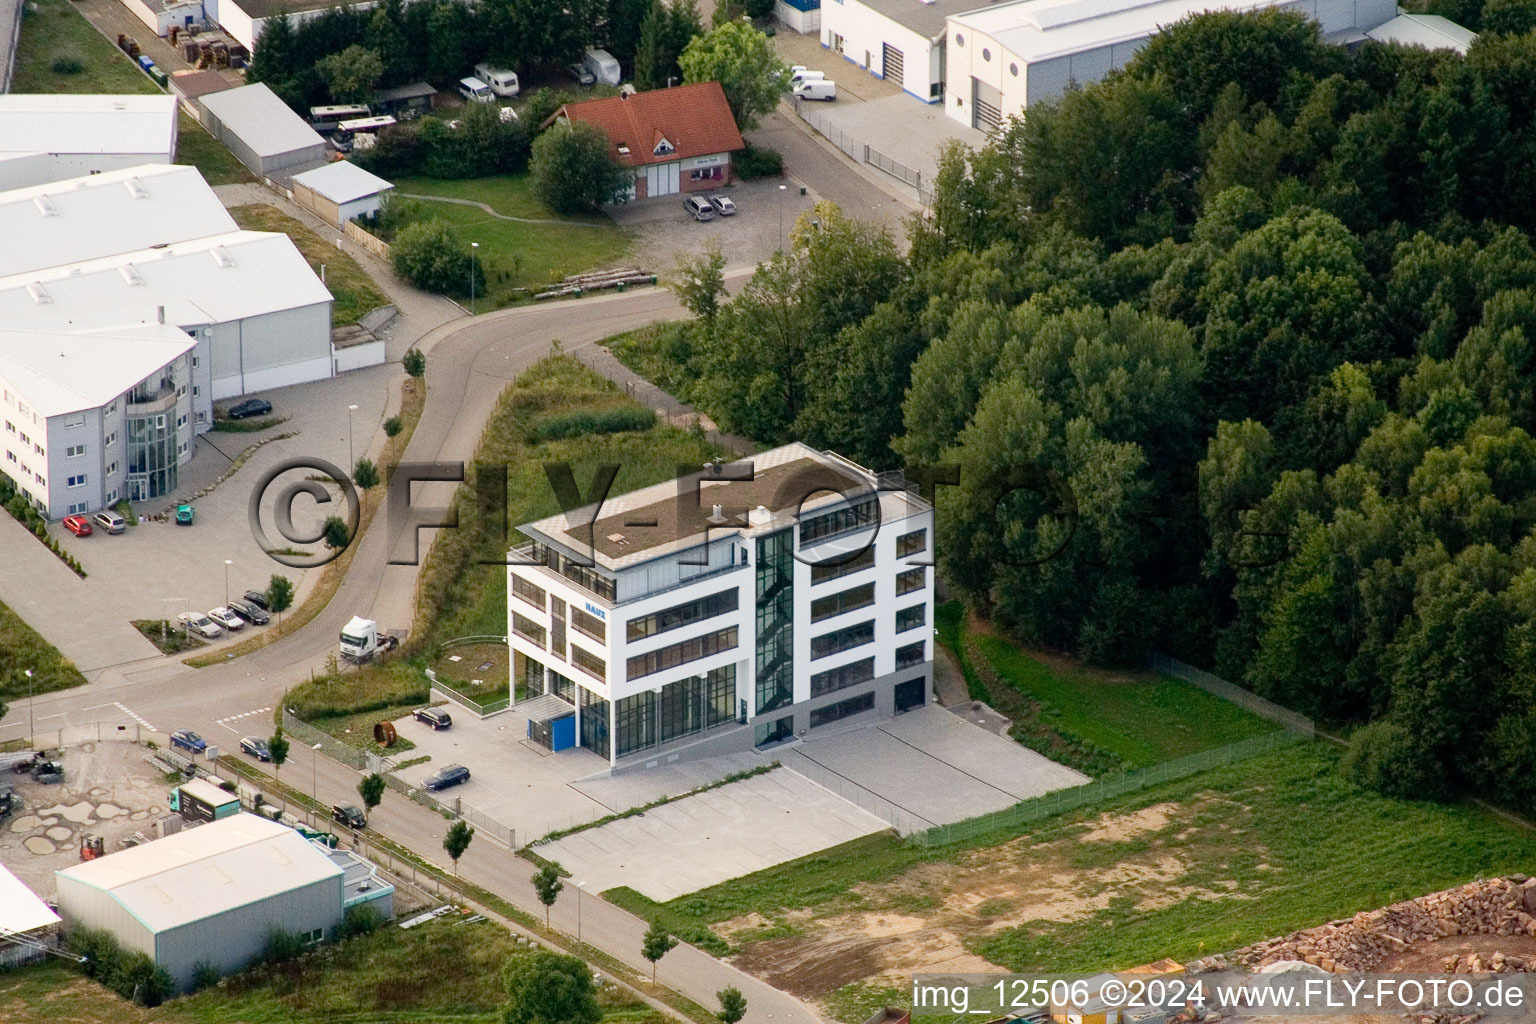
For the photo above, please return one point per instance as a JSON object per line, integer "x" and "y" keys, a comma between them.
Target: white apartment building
{"x": 87, "y": 419}
{"x": 1004, "y": 57}
{"x": 741, "y": 614}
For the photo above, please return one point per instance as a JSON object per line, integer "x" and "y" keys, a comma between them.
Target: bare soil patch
{"x": 1429, "y": 957}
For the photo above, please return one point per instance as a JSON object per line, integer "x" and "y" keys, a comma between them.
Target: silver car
{"x": 202, "y": 625}
{"x": 723, "y": 205}
{"x": 698, "y": 208}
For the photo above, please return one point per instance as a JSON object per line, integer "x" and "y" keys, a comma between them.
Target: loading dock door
{"x": 892, "y": 62}
{"x": 986, "y": 103}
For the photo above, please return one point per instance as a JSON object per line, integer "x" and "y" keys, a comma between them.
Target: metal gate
{"x": 892, "y": 63}
{"x": 986, "y": 102}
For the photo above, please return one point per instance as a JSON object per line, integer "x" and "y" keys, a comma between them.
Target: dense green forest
{"x": 1247, "y": 330}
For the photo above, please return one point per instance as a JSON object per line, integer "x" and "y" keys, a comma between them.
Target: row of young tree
{"x": 1230, "y": 362}
{"x": 347, "y": 53}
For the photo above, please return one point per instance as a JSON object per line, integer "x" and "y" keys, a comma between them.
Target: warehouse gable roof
{"x": 63, "y": 372}
{"x": 261, "y": 120}
{"x": 104, "y": 214}
{"x": 20, "y": 909}
{"x": 206, "y": 871}
{"x": 663, "y": 125}
{"x": 39, "y": 123}
{"x": 1427, "y": 30}
{"x": 342, "y": 182}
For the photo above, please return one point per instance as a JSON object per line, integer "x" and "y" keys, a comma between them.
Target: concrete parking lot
{"x": 900, "y": 126}
{"x": 157, "y": 570}
{"x": 665, "y": 233}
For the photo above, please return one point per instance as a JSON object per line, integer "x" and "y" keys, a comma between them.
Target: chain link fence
{"x": 902, "y": 820}
{"x": 329, "y": 745}
{"x": 1235, "y": 694}
{"x": 1009, "y": 820}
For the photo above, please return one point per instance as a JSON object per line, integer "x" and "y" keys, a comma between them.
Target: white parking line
{"x": 244, "y": 714}
{"x": 129, "y": 712}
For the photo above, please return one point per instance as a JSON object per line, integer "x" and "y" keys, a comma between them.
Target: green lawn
{"x": 22, "y": 648}
{"x": 56, "y": 30}
{"x": 353, "y": 289}
{"x": 195, "y": 147}
{"x": 1209, "y": 863}
{"x": 516, "y": 255}
{"x": 463, "y": 588}
{"x": 435, "y": 972}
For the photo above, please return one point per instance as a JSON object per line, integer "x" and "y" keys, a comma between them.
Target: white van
{"x": 799, "y": 73}
{"x": 502, "y": 82}
{"x": 603, "y": 67}
{"x": 818, "y": 89}
{"x": 476, "y": 91}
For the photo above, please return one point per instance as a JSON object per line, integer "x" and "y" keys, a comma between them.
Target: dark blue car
{"x": 186, "y": 739}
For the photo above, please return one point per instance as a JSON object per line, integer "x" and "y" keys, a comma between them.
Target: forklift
{"x": 91, "y": 847}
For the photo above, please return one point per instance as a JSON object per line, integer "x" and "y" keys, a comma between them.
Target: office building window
{"x": 581, "y": 575}
{"x": 589, "y": 663}
{"x": 842, "y": 709}
{"x": 842, "y": 677}
{"x": 77, "y": 509}
{"x": 563, "y": 687}
{"x": 774, "y": 731}
{"x": 75, "y": 481}
{"x": 528, "y": 629}
{"x": 830, "y": 570}
{"x": 111, "y": 468}
{"x": 857, "y": 516}
{"x": 682, "y": 615}
{"x": 589, "y": 625}
{"x": 911, "y": 654}
{"x": 10, "y": 426}
{"x": 911, "y": 618}
{"x": 840, "y": 640}
{"x": 844, "y": 601}
{"x": 111, "y": 439}
{"x": 595, "y": 719}
{"x": 39, "y": 449}
{"x": 682, "y": 708}
{"x": 911, "y": 579}
{"x": 681, "y": 653}
{"x": 634, "y": 723}
{"x": 533, "y": 594}
{"x": 557, "y": 628}
{"x": 74, "y": 451}
{"x": 911, "y": 543}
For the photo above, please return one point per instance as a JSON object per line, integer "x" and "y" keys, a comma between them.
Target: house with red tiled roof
{"x": 677, "y": 140}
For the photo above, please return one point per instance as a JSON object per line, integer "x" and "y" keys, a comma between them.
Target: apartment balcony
{"x": 526, "y": 553}
{"x": 151, "y": 403}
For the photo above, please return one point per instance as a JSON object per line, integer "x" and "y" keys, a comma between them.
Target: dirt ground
{"x": 927, "y": 916}
{"x": 108, "y": 790}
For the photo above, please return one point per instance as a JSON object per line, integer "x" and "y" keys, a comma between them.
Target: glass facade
{"x": 842, "y": 709}
{"x": 911, "y": 654}
{"x": 911, "y": 579}
{"x": 772, "y": 732}
{"x": 682, "y": 614}
{"x": 589, "y": 625}
{"x": 911, "y": 543}
{"x": 840, "y": 640}
{"x": 775, "y": 653}
{"x": 583, "y": 576}
{"x": 681, "y": 653}
{"x": 562, "y": 687}
{"x": 151, "y": 455}
{"x": 529, "y": 592}
{"x": 861, "y": 514}
{"x": 910, "y": 618}
{"x": 831, "y": 570}
{"x": 843, "y": 601}
{"x": 594, "y": 721}
{"x": 557, "y": 628}
{"x": 589, "y": 663}
{"x": 682, "y": 708}
{"x": 842, "y": 677}
{"x": 527, "y": 629}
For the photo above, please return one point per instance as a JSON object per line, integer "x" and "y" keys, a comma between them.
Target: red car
{"x": 78, "y": 525}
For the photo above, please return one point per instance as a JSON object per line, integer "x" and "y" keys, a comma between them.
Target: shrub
{"x": 398, "y": 150}
{"x": 393, "y": 426}
{"x": 758, "y": 162}
{"x": 414, "y": 362}
{"x": 593, "y": 421}
{"x": 67, "y": 66}
{"x": 204, "y": 975}
{"x": 573, "y": 169}
{"x": 362, "y": 920}
{"x": 141, "y": 979}
{"x": 1385, "y": 757}
{"x": 282, "y": 946}
{"x": 430, "y": 256}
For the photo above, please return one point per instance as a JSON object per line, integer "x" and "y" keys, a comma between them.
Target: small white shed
{"x": 340, "y": 192}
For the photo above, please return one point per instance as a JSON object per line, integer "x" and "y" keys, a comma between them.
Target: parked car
{"x": 256, "y": 747}
{"x": 188, "y": 740}
{"x": 250, "y": 613}
{"x": 800, "y": 73}
{"x": 110, "y": 521}
{"x": 818, "y": 89}
{"x": 250, "y": 407}
{"x": 502, "y": 82}
{"x": 78, "y": 525}
{"x": 185, "y": 514}
{"x": 259, "y": 599}
{"x": 437, "y": 718}
{"x": 350, "y": 816}
{"x": 341, "y": 142}
{"x": 226, "y": 617}
{"x": 476, "y": 91}
{"x": 202, "y": 625}
{"x": 698, "y": 208}
{"x": 449, "y": 776}
{"x": 581, "y": 74}
{"x": 723, "y": 205}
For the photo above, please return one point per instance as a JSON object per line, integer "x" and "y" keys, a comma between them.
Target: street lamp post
{"x": 579, "y": 886}
{"x": 314, "y": 781}
{"x": 31, "y": 724}
{"x": 782, "y": 190}
{"x": 227, "y": 564}
{"x": 351, "y": 463}
{"x": 473, "y": 246}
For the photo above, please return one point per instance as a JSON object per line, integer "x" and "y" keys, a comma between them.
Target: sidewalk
{"x": 488, "y": 864}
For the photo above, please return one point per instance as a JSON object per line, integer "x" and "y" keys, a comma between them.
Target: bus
{"x": 326, "y": 119}
{"x": 366, "y": 124}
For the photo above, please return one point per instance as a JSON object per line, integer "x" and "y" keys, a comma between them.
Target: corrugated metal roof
{"x": 32, "y": 123}
{"x": 103, "y": 214}
{"x": 1427, "y": 30}
{"x": 205, "y": 871}
{"x": 20, "y": 909}
{"x": 342, "y": 182}
{"x": 62, "y": 372}
{"x": 925, "y": 17}
{"x": 261, "y": 120}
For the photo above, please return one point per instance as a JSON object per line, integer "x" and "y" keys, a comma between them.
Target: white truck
{"x": 360, "y": 640}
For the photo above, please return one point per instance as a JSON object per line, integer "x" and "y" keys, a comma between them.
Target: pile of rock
{"x": 1496, "y": 906}
{"x": 1493, "y": 963}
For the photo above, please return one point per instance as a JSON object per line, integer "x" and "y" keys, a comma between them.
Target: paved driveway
{"x": 701, "y": 840}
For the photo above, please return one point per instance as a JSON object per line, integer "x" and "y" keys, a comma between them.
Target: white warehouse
{"x": 216, "y": 893}
{"x": 49, "y": 137}
{"x": 1005, "y": 57}
{"x": 788, "y": 593}
{"x": 901, "y": 41}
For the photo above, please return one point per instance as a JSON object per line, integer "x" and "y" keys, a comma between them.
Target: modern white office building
{"x": 91, "y": 418}
{"x": 1004, "y": 57}
{"x": 740, "y": 607}
{"x": 46, "y": 138}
